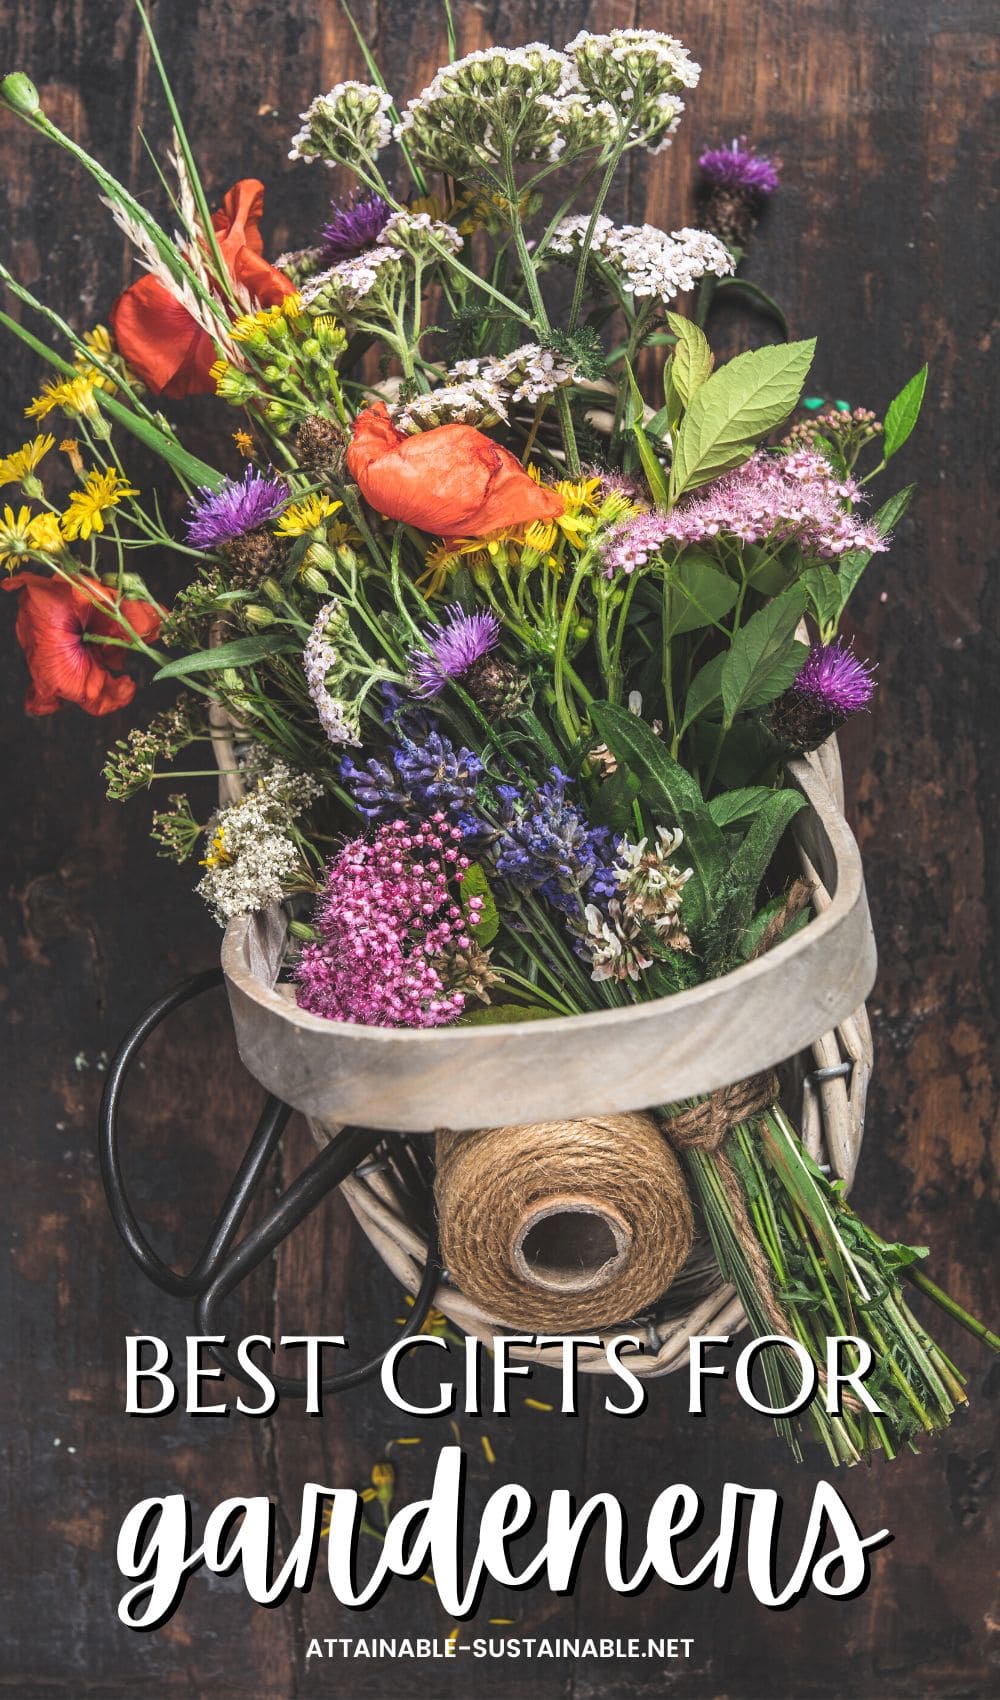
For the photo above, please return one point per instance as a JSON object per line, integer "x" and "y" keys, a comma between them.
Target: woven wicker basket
{"x": 801, "y": 1005}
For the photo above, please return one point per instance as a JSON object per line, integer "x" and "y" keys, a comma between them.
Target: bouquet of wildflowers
{"x": 504, "y": 606}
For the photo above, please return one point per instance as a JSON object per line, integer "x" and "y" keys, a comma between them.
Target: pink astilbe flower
{"x": 389, "y": 921}
{"x": 772, "y": 499}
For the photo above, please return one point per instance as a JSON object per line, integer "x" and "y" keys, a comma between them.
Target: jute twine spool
{"x": 559, "y": 1226}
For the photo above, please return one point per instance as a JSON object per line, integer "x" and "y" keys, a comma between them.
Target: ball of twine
{"x": 557, "y": 1226}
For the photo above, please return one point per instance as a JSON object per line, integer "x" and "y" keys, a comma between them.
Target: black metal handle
{"x": 218, "y": 1271}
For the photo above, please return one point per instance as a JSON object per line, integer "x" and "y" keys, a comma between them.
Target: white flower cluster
{"x": 322, "y": 664}
{"x": 528, "y": 99}
{"x": 419, "y": 235}
{"x": 647, "y": 261}
{"x": 252, "y": 858}
{"x": 638, "y": 72}
{"x": 474, "y": 402}
{"x": 480, "y": 392}
{"x": 528, "y": 373}
{"x": 374, "y": 275}
{"x": 348, "y": 125}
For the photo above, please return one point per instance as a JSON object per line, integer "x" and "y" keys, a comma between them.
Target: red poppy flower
{"x": 51, "y": 621}
{"x": 159, "y": 338}
{"x": 451, "y": 481}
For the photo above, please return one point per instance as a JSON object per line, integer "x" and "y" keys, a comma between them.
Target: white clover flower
{"x": 614, "y": 944}
{"x": 652, "y": 887}
{"x": 639, "y": 73}
{"x": 252, "y": 859}
{"x": 322, "y": 666}
{"x": 347, "y": 125}
{"x": 648, "y": 262}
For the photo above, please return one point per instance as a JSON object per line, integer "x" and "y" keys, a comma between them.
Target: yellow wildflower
{"x": 251, "y": 325}
{"x": 343, "y": 531}
{"x": 244, "y": 442}
{"x": 576, "y": 522}
{"x": 73, "y": 395}
{"x": 45, "y": 534}
{"x": 87, "y": 507}
{"x": 99, "y": 342}
{"x": 217, "y": 855}
{"x": 16, "y": 468}
{"x": 15, "y": 536}
{"x": 306, "y": 515}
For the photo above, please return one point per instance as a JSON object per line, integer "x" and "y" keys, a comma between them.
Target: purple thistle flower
{"x": 355, "y": 226}
{"x": 834, "y": 680}
{"x": 454, "y": 647}
{"x": 238, "y": 505}
{"x": 740, "y": 167}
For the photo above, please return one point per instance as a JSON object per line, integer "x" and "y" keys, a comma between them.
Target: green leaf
{"x": 764, "y": 656}
{"x": 672, "y": 798}
{"x": 695, "y": 594}
{"x": 704, "y": 691}
{"x": 655, "y": 476}
{"x": 240, "y": 653}
{"x": 826, "y": 594}
{"x": 737, "y": 405}
{"x": 765, "y": 302}
{"x": 892, "y": 511}
{"x": 475, "y": 884}
{"x": 902, "y": 414}
{"x": 693, "y": 358}
{"x": 729, "y": 807}
{"x": 500, "y": 1014}
{"x": 754, "y": 856}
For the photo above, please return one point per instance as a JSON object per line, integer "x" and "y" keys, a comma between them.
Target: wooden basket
{"x": 801, "y": 1003}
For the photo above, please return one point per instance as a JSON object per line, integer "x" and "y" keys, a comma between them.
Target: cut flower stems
{"x": 512, "y": 600}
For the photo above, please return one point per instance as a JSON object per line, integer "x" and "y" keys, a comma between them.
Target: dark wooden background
{"x": 880, "y": 240}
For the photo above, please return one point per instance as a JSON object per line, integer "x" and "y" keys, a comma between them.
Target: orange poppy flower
{"x": 52, "y": 619}
{"x": 158, "y": 337}
{"x": 452, "y": 481}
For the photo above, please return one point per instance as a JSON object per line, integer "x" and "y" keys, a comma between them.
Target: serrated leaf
{"x": 737, "y": 405}
{"x": 826, "y": 594}
{"x": 704, "y": 691}
{"x": 240, "y": 653}
{"x": 902, "y": 414}
{"x": 671, "y": 797}
{"x": 764, "y": 656}
{"x": 693, "y": 358}
{"x": 729, "y": 807}
{"x": 475, "y": 884}
{"x": 696, "y": 593}
{"x": 892, "y": 511}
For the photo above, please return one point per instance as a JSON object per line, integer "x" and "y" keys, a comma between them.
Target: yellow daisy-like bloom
{"x": 244, "y": 442}
{"x": 73, "y": 395}
{"x": 24, "y": 533}
{"x": 45, "y": 534}
{"x": 87, "y": 507}
{"x": 577, "y": 520}
{"x": 16, "y": 467}
{"x": 307, "y": 515}
{"x": 343, "y": 531}
{"x": 258, "y": 324}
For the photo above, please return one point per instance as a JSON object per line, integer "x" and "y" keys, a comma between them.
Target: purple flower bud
{"x": 238, "y": 505}
{"x": 740, "y": 167}
{"x": 452, "y": 649}
{"x": 835, "y": 680}
{"x": 355, "y": 226}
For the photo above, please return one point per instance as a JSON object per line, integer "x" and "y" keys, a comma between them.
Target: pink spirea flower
{"x": 773, "y": 499}
{"x": 388, "y": 919}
